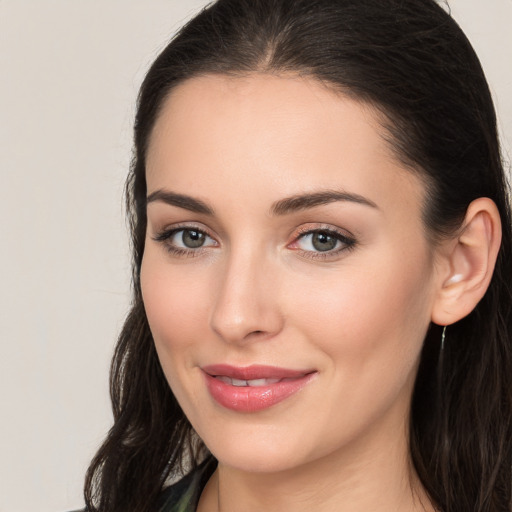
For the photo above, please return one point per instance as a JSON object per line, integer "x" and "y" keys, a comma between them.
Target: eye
{"x": 319, "y": 241}
{"x": 182, "y": 240}
{"x": 189, "y": 238}
{"x": 322, "y": 243}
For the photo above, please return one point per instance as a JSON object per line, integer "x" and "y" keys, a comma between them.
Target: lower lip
{"x": 254, "y": 398}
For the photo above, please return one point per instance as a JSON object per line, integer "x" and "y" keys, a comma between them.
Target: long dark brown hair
{"x": 411, "y": 61}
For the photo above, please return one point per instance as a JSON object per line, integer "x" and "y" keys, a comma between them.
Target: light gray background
{"x": 70, "y": 70}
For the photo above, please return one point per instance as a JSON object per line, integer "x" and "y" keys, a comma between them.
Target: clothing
{"x": 183, "y": 496}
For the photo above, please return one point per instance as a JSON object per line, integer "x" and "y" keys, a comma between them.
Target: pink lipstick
{"x": 253, "y": 388}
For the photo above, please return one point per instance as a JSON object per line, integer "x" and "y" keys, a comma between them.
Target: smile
{"x": 253, "y": 388}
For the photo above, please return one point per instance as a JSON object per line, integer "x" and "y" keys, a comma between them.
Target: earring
{"x": 456, "y": 278}
{"x": 443, "y": 336}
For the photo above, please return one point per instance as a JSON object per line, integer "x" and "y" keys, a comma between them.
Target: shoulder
{"x": 183, "y": 496}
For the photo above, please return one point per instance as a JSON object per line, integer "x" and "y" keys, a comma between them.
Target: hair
{"x": 412, "y": 63}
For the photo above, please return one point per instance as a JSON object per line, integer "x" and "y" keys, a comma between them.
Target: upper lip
{"x": 253, "y": 372}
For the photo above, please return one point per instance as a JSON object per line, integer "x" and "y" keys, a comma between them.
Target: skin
{"x": 258, "y": 292}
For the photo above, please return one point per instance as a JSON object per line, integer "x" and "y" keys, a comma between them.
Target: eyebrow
{"x": 310, "y": 200}
{"x": 181, "y": 201}
{"x": 282, "y": 207}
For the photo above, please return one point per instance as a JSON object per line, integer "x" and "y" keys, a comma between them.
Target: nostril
{"x": 258, "y": 333}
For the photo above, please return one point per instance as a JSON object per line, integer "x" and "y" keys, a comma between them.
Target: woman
{"x": 322, "y": 238}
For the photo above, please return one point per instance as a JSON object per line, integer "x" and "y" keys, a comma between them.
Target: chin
{"x": 261, "y": 449}
{"x": 256, "y": 461}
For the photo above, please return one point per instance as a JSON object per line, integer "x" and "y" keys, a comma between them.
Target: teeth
{"x": 242, "y": 383}
{"x": 261, "y": 382}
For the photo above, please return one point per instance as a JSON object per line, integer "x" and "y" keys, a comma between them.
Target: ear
{"x": 467, "y": 263}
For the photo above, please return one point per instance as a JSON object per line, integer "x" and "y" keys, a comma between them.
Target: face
{"x": 286, "y": 277}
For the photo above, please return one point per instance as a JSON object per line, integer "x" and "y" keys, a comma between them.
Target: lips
{"x": 253, "y": 388}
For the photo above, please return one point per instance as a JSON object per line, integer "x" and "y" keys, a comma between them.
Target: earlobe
{"x": 470, "y": 263}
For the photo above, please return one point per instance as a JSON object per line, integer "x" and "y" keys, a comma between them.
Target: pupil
{"x": 192, "y": 238}
{"x": 323, "y": 242}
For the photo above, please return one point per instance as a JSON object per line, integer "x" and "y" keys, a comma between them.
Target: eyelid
{"x": 329, "y": 228}
{"x": 173, "y": 228}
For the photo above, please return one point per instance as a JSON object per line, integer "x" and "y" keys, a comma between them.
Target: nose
{"x": 246, "y": 301}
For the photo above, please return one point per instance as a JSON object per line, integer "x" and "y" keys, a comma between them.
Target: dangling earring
{"x": 443, "y": 336}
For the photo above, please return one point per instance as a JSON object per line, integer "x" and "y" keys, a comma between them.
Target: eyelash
{"x": 348, "y": 243}
{"x": 166, "y": 235}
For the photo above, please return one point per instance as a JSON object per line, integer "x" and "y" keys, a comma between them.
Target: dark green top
{"x": 183, "y": 496}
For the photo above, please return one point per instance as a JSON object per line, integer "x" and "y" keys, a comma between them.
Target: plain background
{"x": 70, "y": 70}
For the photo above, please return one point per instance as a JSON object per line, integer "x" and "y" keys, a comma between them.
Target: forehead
{"x": 284, "y": 133}
{"x": 282, "y": 107}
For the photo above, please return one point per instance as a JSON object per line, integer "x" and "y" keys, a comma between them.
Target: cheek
{"x": 374, "y": 316}
{"x": 370, "y": 328}
{"x": 175, "y": 303}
